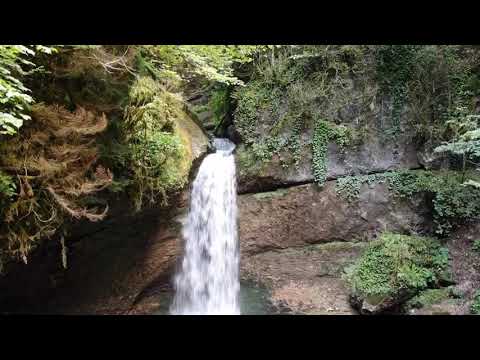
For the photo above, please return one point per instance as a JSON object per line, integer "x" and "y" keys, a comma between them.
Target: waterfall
{"x": 208, "y": 280}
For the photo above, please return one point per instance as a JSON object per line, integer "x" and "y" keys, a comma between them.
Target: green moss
{"x": 476, "y": 246}
{"x": 395, "y": 265}
{"x": 154, "y": 150}
{"x": 428, "y": 297}
{"x": 220, "y": 104}
{"x": 475, "y": 307}
{"x": 247, "y": 161}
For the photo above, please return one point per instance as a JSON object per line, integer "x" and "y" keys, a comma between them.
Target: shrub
{"x": 396, "y": 267}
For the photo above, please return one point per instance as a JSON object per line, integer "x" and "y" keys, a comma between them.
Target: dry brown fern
{"x": 54, "y": 159}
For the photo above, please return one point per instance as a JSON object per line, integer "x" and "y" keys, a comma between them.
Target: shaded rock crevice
{"x": 269, "y": 184}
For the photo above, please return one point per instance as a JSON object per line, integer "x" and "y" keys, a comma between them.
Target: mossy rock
{"x": 428, "y": 297}
{"x": 393, "y": 269}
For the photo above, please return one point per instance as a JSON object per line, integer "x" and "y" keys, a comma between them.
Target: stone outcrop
{"x": 303, "y": 215}
{"x": 371, "y": 157}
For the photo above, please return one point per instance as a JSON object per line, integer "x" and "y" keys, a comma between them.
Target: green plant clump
{"x": 428, "y": 297}
{"x": 156, "y": 153}
{"x": 397, "y": 266}
{"x": 7, "y": 186}
{"x": 319, "y": 148}
{"x": 325, "y": 132}
{"x": 394, "y": 70}
{"x": 476, "y": 246}
{"x": 475, "y": 307}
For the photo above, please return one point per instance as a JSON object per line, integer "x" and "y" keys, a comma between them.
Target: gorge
{"x": 313, "y": 180}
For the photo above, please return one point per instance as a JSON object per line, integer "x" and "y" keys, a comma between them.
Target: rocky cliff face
{"x": 305, "y": 214}
{"x": 296, "y": 237}
{"x": 373, "y": 156}
{"x": 298, "y": 240}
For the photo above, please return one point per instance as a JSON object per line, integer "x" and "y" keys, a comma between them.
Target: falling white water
{"x": 208, "y": 280}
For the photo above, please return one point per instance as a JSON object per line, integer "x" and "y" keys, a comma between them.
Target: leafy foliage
{"x": 14, "y": 95}
{"x": 476, "y": 246}
{"x": 428, "y": 297}
{"x": 7, "y": 186}
{"x": 155, "y": 152}
{"x": 395, "y": 266}
{"x": 394, "y": 70}
{"x": 465, "y": 141}
{"x": 214, "y": 63}
{"x": 319, "y": 145}
{"x": 293, "y": 90}
{"x": 323, "y": 134}
{"x": 475, "y": 307}
{"x": 453, "y": 201}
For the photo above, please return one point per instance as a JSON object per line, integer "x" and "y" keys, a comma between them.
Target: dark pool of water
{"x": 254, "y": 300}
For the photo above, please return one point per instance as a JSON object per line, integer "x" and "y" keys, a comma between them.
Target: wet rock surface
{"x": 305, "y": 280}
